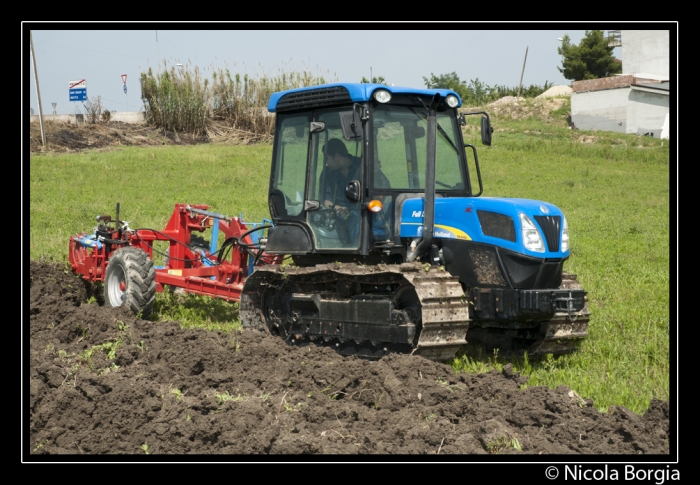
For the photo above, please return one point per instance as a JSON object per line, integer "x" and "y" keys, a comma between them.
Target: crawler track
{"x": 429, "y": 313}
{"x": 426, "y": 302}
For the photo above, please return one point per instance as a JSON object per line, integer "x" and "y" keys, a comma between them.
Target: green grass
{"x": 67, "y": 192}
{"x": 197, "y": 311}
{"x": 613, "y": 188}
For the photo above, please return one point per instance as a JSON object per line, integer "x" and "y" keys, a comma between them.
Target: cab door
{"x": 288, "y": 177}
{"x": 331, "y": 230}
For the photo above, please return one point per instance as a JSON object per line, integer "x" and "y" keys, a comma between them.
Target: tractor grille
{"x": 314, "y": 98}
{"x": 496, "y": 225}
{"x": 550, "y": 226}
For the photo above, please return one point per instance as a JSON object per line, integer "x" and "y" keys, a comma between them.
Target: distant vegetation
{"x": 477, "y": 93}
{"x": 592, "y": 58}
{"x": 181, "y": 99}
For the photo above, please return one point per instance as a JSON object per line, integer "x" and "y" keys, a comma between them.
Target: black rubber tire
{"x": 130, "y": 280}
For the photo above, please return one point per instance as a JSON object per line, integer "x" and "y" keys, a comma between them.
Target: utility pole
{"x": 38, "y": 94}
{"x": 523, "y": 72}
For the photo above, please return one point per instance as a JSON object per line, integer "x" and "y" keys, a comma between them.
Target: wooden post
{"x": 38, "y": 94}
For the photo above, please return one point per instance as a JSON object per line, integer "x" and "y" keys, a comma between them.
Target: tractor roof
{"x": 327, "y": 94}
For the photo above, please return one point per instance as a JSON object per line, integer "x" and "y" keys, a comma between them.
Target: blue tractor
{"x": 375, "y": 199}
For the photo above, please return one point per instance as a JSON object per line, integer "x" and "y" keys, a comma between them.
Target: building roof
{"x": 649, "y": 76}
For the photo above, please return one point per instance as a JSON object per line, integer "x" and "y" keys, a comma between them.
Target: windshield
{"x": 400, "y": 148}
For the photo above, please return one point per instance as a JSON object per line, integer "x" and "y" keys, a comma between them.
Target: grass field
{"x": 613, "y": 188}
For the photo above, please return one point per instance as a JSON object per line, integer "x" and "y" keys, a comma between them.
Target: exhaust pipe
{"x": 426, "y": 241}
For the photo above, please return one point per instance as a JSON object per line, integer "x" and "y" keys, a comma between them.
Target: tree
{"x": 375, "y": 80}
{"x": 591, "y": 59}
{"x": 447, "y": 81}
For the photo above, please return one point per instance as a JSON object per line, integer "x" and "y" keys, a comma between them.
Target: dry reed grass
{"x": 231, "y": 108}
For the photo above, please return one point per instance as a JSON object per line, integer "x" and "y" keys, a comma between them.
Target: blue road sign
{"x": 77, "y": 94}
{"x": 125, "y": 89}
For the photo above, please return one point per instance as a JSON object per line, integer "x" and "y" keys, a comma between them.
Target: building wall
{"x": 645, "y": 51}
{"x": 124, "y": 116}
{"x": 610, "y": 104}
{"x": 646, "y": 112}
{"x": 60, "y": 118}
{"x": 600, "y": 110}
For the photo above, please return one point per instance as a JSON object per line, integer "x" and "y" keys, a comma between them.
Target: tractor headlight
{"x": 531, "y": 236}
{"x": 452, "y": 101}
{"x": 382, "y": 95}
{"x": 565, "y": 236}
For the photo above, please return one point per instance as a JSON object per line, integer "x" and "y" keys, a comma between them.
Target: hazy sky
{"x": 402, "y": 57}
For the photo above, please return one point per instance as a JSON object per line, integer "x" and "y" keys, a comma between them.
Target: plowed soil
{"x": 103, "y": 382}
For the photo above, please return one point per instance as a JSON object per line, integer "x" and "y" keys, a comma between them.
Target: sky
{"x": 403, "y": 55}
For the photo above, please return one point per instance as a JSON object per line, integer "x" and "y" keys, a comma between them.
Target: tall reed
{"x": 179, "y": 98}
{"x": 176, "y": 99}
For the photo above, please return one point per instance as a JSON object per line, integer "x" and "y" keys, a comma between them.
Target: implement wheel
{"x": 130, "y": 280}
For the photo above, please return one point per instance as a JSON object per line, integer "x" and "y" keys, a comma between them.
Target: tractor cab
{"x": 346, "y": 157}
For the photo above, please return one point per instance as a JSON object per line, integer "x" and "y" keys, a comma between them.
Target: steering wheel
{"x": 325, "y": 219}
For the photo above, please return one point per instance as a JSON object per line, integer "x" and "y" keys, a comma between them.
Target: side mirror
{"x": 486, "y": 131}
{"x": 351, "y": 125}
{"x": 352, "y": 190}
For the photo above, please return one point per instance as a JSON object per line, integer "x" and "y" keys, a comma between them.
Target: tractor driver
{"x": 342, "y": 168}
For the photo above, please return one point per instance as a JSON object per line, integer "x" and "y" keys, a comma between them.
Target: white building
{"x": 636, "y": 101}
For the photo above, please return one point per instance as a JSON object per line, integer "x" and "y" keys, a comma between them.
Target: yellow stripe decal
{"x": 453, "y": 233}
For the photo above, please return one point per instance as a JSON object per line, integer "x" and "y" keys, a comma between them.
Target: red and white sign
{"x": 79, "y": 84}
{"x": 124, "y": 78}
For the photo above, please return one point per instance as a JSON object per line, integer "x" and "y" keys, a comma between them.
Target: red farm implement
{"x": 122, "y": 258}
